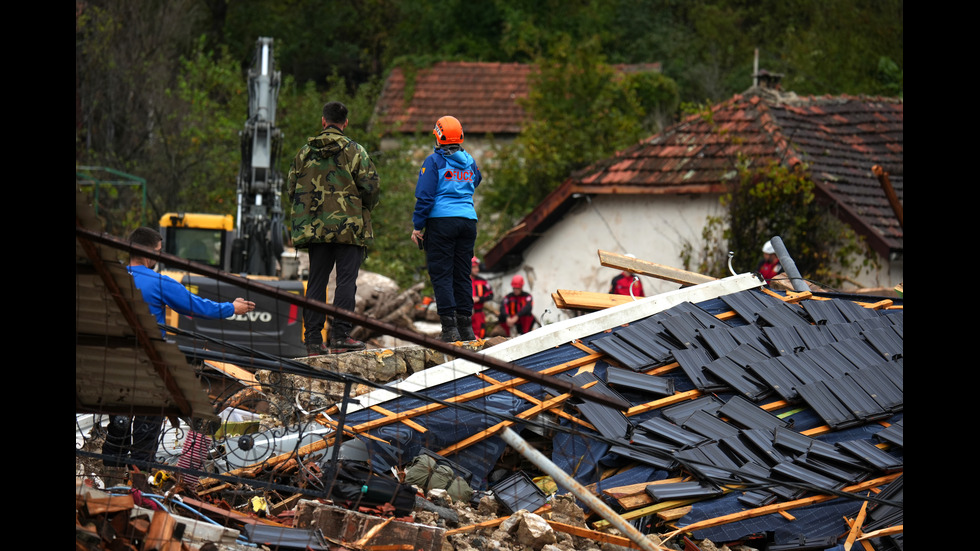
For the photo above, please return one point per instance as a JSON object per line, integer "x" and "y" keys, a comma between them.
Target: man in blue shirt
{"x": 444, "y": 209}
{"x": 138, "y": 437}
{"x": 160, "y": 291}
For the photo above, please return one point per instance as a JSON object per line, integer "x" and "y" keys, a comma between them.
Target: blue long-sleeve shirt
{"x": 160, "y": 291}
{"x": 445, "y": 187}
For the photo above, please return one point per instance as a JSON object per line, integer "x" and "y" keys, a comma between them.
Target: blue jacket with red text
{"x": 445, "y": 187}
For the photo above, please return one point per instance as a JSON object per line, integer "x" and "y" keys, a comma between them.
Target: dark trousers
{"x": 135, "y": 438}
{"x": 323, "y": 258}
{"x": 448, "y": 253}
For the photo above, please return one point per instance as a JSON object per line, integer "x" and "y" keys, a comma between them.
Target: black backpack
{"x": 357, "y": 485}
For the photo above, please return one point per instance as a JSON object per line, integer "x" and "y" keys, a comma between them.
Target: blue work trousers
{"x": 323, "y": 258}
{"x": 449, "y": 246}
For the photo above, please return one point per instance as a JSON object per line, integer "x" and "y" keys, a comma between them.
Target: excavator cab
{"x": 203, "y": 238}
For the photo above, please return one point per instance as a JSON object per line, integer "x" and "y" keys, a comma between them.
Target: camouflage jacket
{"x": 332, "y": 187}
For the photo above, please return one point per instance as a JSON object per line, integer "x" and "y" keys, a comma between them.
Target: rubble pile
{"x": 276, "y": 500}
{"x": 313, "y": 458}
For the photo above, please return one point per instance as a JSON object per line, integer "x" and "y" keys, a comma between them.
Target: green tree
{"x": 708, "y": 46}
{"x": 770, "y": 200}
{"x": 126, "y": 59}
{"x": 199, "y": 144}
{"x": 579, "y": 110}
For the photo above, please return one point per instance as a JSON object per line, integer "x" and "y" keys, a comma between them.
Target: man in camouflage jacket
{"x": 332, "y": 187}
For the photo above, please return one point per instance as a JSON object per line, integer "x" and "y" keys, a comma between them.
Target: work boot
{"x": 316, "y": 349}
{"x": 465, "y": 326}
{"x": 450, "y": 333}
{"x": 346, "y": 343}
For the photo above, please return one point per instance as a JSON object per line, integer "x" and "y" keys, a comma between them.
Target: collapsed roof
{"x": 740, "y": 399}
{"x": 784, "y": 410}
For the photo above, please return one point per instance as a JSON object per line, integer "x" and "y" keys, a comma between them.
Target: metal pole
{"x": 563, "y": 479}
{"x": 338, "y": 439}
{"x": 788, "y": 265}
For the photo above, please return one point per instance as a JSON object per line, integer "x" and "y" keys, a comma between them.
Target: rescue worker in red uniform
{"x": 769, "y": 267}
{"x": 621, "y": 285}
{"x": 482, "y": 293}
{"x": 515, "y": 310}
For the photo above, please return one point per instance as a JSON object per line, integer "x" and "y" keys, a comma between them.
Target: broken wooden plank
{"x": 594, "y": 535}
{"x": 671, "y": 515}
{"x": 161, "y": 530}
{"x": 493, "y": 523}
{"x": 285, "y": 505}
{"x": 480, "y": 393}
{"x": 890, "y": 531}
{"x": 663, "y": 402}
{"x": 856, "y": 527}
{"x": 647, "y": 511}
{"x": 244, "y": 376}
{"x": 232, "y": 516}
{"x": 633, "y": 496}
{"x": 526, "y": 414}
{"x": 408, "y": 422}
{"x": 371, "y": 533}
{"x": 525, "y": 396}
{"x": 108, "y": 504}
{"x": 587, "y": 300}
{"x": 659, "y": 271}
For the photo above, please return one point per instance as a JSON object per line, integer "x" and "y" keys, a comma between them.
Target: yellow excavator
{"x": 250, "y": 243}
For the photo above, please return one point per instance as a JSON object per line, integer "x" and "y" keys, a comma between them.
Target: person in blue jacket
{"x": 444, "y": 210}
{"x": 137, "y": 438}
{"x": 160, "y": 291}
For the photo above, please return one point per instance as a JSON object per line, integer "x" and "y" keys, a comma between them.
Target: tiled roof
{"x": 839, "y": 138}
{"x": 842, "y": 139}
{"x": 483, "y": 96}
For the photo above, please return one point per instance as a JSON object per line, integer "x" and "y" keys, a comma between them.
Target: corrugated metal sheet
{"x": 122, "y": 364}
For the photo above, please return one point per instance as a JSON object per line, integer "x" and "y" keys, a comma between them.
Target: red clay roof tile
{"x": 483, "y": 96}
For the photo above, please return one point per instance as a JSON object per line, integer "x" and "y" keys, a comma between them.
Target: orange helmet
{"x": 517, "y": 282}
{"x": 448, "y": 130}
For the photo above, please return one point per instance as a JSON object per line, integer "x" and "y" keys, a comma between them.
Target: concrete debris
{"x": 528, "y": 529}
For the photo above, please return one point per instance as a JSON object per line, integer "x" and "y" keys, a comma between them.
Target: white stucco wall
{"x": 652, "y": 228}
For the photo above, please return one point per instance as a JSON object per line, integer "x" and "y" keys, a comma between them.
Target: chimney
{"x": 767, "y": 80}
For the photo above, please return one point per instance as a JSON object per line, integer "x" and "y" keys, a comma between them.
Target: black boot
{"x": 450, "y": 333}
{"x": 465, "y": 326}
{"x": 346, "y": 343}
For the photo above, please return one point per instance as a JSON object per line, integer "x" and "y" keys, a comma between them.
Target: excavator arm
{"x": 259, "y": 226}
